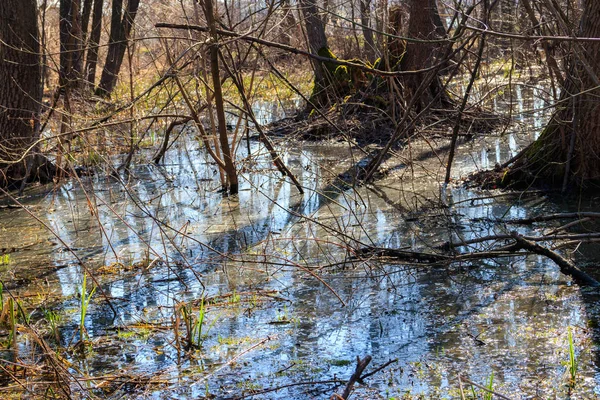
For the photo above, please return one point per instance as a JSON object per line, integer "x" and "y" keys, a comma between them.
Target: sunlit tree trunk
{"x": 121, "y": 25}
{"x": 226, "y": 147}
{"x": 20, "y": 91}
{"x": 568, "y": 150}
{"x": 315, "y": 32}
{"x": 91, "y": 60}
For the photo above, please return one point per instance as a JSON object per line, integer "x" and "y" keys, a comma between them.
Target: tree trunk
{"x": 568, "y": 151}
{"x": 121, "y": 25}
{"x": 365, "y": 21}
{"x": 71, "y": 49}
{"x": 317, "y": 41}
{"x": 425, "y": 24}
{"x": 85, "y": 19}
{"x": 227, "y": 150}
{"x": 20, "y": 90}
{"x": 92, "y": 54}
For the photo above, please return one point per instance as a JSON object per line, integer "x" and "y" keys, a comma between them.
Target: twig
{"x": 237, "y": 356}
{"x": 295, "y": 50}
{"x": 460, "y": 387}
{"x": 376, "y": 370}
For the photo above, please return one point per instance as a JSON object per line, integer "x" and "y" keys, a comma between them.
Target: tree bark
{"x": 71, "y": 49}
{"x": 121, "y": 25}
{"x": 85, "y": 19}
{"x": 365, "y": 21}
{"x": 227, "y": 150}
{"x": 91, "y": 60}
{"x": 20, "y": 91}
{"x": 425, "y": 24}
{"x": 317, "y": 41}
{"x": 568, "y": 150}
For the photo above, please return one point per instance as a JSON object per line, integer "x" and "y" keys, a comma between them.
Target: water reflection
{"x": 508, "y": 316}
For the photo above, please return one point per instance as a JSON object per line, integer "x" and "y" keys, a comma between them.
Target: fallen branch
{"x": 577, "y": 236}
{"x": 566, "y": 266}
{"x": 516, "y": 243}
{"x": 551, "y": 217}
{"x": 289, "y": 385}
{"x": 356, "y": 377}
{"x": 404, "y": 255}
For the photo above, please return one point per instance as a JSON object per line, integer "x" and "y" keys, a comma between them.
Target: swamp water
{"x": 285, "y": 304}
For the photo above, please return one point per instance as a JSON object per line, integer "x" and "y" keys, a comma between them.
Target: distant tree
{"x": 365, "y": 21}
{"x": 20, "y": 93}
{"x": 71, "y": 46}
{"x": 91, "y": 60}
{"x": 288, "y": 23}
{"x": 121, "y": 25}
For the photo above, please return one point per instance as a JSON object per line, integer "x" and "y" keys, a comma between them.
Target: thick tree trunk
{"x": 121, "y": 25}
{"x": 20, "y": 91}
{"x": 424, "y": 24}
{"x": 568, "y": 151}
{"x": 71, "y": 49}
{"x": 317, "y": 41}
{"x": 92, "y": 54}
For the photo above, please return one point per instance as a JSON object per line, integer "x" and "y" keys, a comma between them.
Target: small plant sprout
{"x": 235, "y": 298}
{"x": 573, "y": 363}
{"x": 85, "y": 302}
{"x": 53, "y": 319}
{"x": 488, "y": 395}
{"x": 12, "y": 321}
{"x": 198, "y": 324}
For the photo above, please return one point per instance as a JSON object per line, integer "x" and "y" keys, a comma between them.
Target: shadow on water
{"x": 262, "y": 258}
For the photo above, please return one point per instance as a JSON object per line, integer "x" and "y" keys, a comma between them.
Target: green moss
{"x": 340, "y": 363}
{"x": 378, "y": 64}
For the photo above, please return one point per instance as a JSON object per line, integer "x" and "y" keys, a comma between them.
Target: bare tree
{"x": 71, "y": 49}
{"x": 20, "y": 92}
{"x": 424, "y": 25}
{"x": 121, "y": 25}
{"x": 93, "y": 42}
{"x": 365, "y": 21}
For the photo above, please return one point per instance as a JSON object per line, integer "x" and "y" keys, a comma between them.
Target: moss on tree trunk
{"x": 567, "y": 153}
